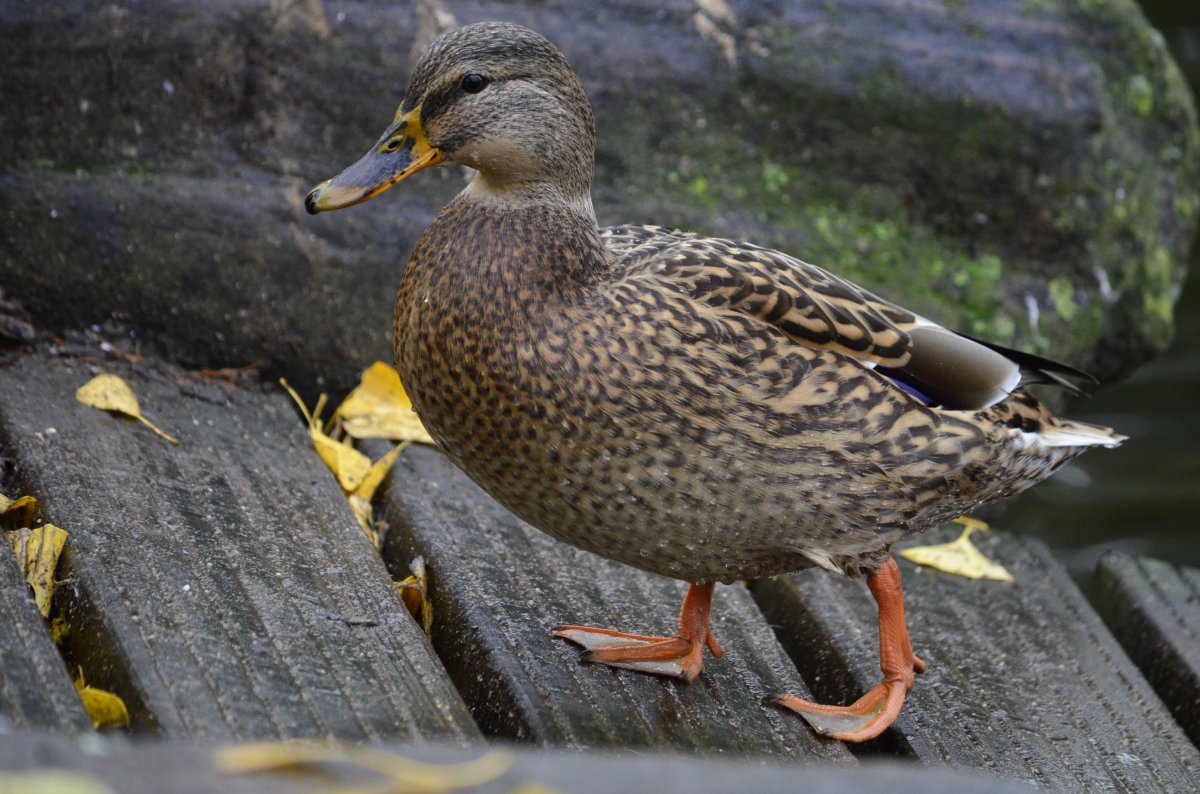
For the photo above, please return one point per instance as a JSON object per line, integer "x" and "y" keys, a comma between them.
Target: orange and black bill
{"x": 400, "y": 153}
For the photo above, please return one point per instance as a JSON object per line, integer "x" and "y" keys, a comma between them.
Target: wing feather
{"x": 811, "y": 305}
{"x": 818, "y": 309}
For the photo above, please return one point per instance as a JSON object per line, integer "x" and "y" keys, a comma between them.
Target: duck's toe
{"x": 869, "y": 716}
{"x": 680, "y": 656}
{"x": 677, "y": 657}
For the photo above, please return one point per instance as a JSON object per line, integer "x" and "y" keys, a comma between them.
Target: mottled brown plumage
{"x": 695, "y": 407}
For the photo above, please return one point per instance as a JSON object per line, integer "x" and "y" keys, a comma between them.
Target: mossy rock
{"x": 1025, "y": 170}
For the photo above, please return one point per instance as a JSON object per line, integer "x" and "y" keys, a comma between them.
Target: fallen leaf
{"x": 414, "y": 592}
{"x": 231, "y": 374}
{"x": 17, "y": 513}
{"x": 59, "y": 630}
{"x": 105, "y": 708}
{"x": 405, "y": 773}
{"x": 110, "y": 393}
{"x": 347, "y": 464}
{"x": 365, "y": 514}
{"x": 51, "y": 781}
{"x": 378, "y": 471}
{"x": 959, "y": 557}
{"x": 37, "y": 552}
{"x": 380, "y": 408}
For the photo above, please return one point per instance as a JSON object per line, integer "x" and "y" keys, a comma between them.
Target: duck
{"x": 697, "y": 407}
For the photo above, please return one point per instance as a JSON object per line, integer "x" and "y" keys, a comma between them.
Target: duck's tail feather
{"x": 1068, "y": 433}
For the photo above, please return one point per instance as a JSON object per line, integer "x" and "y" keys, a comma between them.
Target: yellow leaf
{"x": 51, "y": 781}
{"x": 414, "y": 592}
{"x": 110, "y": 393}
{"x": 347, "y": 464}
{"x": 37, "y": 552}
{"x": 105, "y": 708}
{"x": 17, "y": 513}
{"x": 59, "y": 630}
{"x": 379, "y": 408}
{"x": 356, "y": 474}
{"x": 379, "y": 470}
{"x": 959, "y": 557}
{"x": 405, "y": 773}
{"x": 365, "y": 514}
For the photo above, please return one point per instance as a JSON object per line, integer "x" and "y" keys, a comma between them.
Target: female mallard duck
{"x": 699, "y": 408}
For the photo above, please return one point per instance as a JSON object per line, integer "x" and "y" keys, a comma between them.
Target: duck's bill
{"x": 400, "y": 153}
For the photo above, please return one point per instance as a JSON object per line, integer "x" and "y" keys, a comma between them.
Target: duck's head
{"x": 496, "y": 97}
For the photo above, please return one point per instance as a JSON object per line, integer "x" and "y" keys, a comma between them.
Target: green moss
{"x": 1185, "y": 206}
{"x": 698, "y": 187}
{"x": 1159, "y": 299}
{"x": 1062, "y": 297}
{"x": 1139, "y": 93}
{"x": 1142, "y": 160}
{"x": 775, "y": 179}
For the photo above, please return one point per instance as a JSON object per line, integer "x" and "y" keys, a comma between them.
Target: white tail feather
{"x": 1078, "y": 434}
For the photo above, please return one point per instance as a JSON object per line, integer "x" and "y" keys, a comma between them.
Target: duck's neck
{"x": 521, "y": 247}
{"x": 577, "y": 198}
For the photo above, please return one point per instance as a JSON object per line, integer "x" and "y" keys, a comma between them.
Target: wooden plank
{"x": 177, "y": 767}
{"x": 222, "y": 586}
{"x": 1024, "y": 681}
{"x": 499, "y": 587}
{"x": 1153, "y": 609}
{"x": 35, "y": 690}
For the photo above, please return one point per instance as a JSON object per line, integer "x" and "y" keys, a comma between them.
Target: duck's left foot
{"x": 874, "y": 712}
{"x": 869, "y": 716}
{"x": 680, "y": 656}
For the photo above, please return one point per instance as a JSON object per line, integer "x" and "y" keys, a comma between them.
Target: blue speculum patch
{"x": 912, "y": 390}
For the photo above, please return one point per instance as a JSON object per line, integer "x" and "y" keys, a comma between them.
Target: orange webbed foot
{"x": 676, "y": 657}
{"x": 869, "y": 716}
{"x": 874, "y": 712}
{"x": 680, "y": 656}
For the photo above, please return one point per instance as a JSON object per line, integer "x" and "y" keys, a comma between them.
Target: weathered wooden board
{"x": 1024, "y": 681}
{"x": 499, "y": 587}
{"x": 222, "y": 586}
{"x": 188, "y": 768}
{"x": 1153, "y": 609}
{"x": 35, "y": 690}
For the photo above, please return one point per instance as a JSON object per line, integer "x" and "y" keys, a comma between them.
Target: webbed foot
{"x": 680, "y": 656}
{"x": 875, "y": 711}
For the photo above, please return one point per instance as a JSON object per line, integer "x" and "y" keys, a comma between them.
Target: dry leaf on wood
{"x": 37, "y": 552}
{"x": 17, "y": 513}
{"x": 105, "y": 708}
{"x": 379, "y": 408}
{"x": 959, "y": 557}
{"x": 110, "y": 393}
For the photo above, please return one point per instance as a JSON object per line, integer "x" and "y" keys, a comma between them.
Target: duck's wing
{"x": 818, "y": 309}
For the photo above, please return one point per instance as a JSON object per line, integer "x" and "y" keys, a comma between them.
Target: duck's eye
{"x": 474, "y": 83}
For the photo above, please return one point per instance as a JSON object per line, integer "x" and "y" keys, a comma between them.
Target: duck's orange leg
{"x": 679, "y": 656}
{"x": 875, "y": 711}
